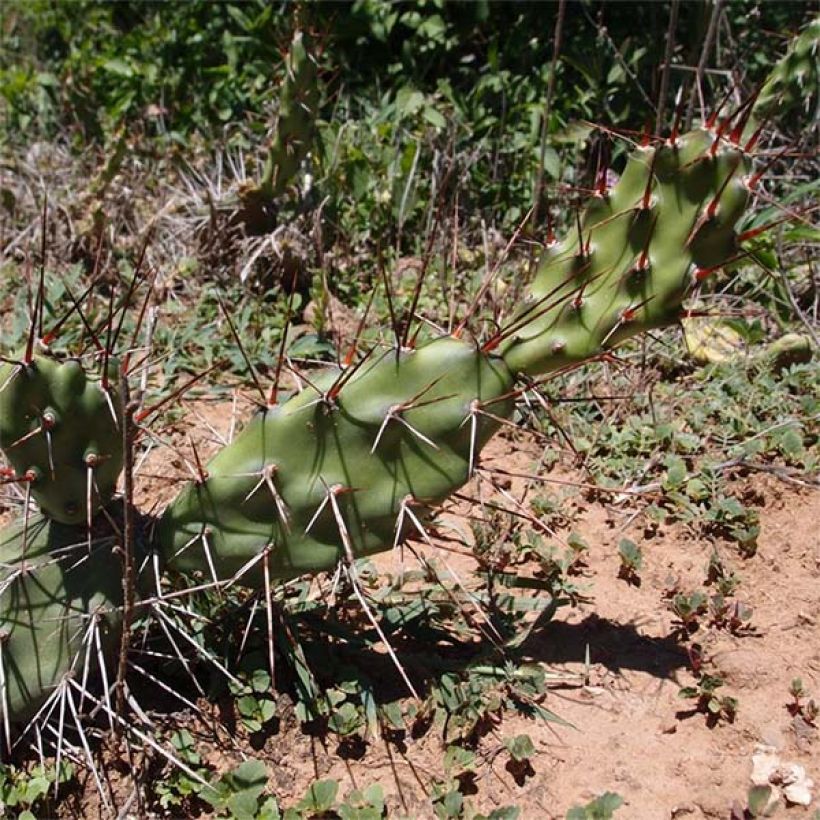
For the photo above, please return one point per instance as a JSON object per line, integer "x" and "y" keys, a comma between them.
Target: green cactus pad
{"x": 647, "y": 241}
{"x": 303, "y": 485}
{"x": 643, "y": 246}
{"x": 291, "y": 143}
{"x": 289, "y": 458}
{"x": 54, "y": 593}
{"x": 795, "y": 80}
{"x": 60, "y": 429}
{"x": 298, "y": 101}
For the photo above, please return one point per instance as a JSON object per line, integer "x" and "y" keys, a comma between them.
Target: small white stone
{"x": 764, "y": 764}
{"x": 796, "y": 785}
{"x": 790, "y": 778}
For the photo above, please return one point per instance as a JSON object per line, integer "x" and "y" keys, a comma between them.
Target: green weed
{"x": 602, "y": 807}
{"x": 30, "y": 792}
{"x": 706, "y": 700}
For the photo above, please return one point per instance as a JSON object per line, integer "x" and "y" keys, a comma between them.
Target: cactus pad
{"x": 60, "y": 431}
{"x": 640, "y": 248}
{"x": 298, "y": 100}
{"x": 331, "y": 472}
{"x": 795, "y": 80}
{"x": 59, "y": 602}
{"x": 398, "y": 431}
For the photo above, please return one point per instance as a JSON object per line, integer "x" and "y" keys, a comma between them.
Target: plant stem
{"x": 539, "y": 180}
{"x": 128, "y": 597}
{"x": 667, "y": 61}
{"x": 704, "y": 56}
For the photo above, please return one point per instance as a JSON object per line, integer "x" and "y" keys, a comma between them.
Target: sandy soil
{"x": 632, "y": 733}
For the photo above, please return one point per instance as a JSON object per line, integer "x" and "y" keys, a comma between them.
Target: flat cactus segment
{"x": 333, "y": 472}
{"x": 59, "y": 610}
{"x": 330, "y": 471}
{"x": 299, "y": 99}
{"x": 298, "y": 102}
{"x": 795, "y": 80}
{"x": 60, "y": 431}
{"x": 401, "y": 430}
{"x": 640, "y": 249}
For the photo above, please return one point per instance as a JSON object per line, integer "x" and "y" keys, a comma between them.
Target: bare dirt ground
{"x": 632, "y": 734}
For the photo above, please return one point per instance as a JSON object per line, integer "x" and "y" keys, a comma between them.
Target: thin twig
{"x": 667, "y": 63}
{"x": 704, "y": 56}
{"x": 539, "y": 180}
{"x": 128, "y": 428}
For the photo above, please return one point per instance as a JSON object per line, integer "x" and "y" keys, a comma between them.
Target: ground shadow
{"x": 617, "y": 646}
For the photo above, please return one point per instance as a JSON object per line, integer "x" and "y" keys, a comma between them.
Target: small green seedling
{"x": 716, "y": 708}
{"x": 687, "y": 609}
{"x": 179, "y": 786}
{"x": 554, "y": 510}
{"x": 558, "y": 567}
{"x": 631, "y": 562}
{"x": 731, "y": 519}
{"x": 363, "y": 804}
{"x": 448, "y": 801}
{"x": 577, "y": 552}
{"x": 761, "y": 801}
{"x": 521, "y": 751}
{"x": 317, "y": 802}
{"x": 24, "y": 792}
{"x": 520, "y": 748}
{"x": 253, "y": 702}
{"x": 733, "y": 616}
{"x": 798, "y": 691}
{"x": 801, "y": 704}
{"x": 602, "y": 807}
{"x": 238, "y": 793}
{"x": 725, "y": 580}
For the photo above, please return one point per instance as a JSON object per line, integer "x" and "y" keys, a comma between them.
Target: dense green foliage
{"x": 199, "y": 64}
{"x": 406, "y": 83}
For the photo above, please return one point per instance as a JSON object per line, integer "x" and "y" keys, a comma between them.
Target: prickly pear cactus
{"x": 795, "y": 80}
{"x": 339, "y": 469}
{"x": 298, "y": 103}
{"x": 60, "y": 430}
{"x": 60, "y": 599}
{"x": 295, "y": 125}
{"x": 640, "y": 249}
{"x": 349, "y": 465}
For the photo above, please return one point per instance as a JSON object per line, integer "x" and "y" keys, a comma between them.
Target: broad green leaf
{"x": 520, "y": 747}
{"x": 320, "y": 796}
